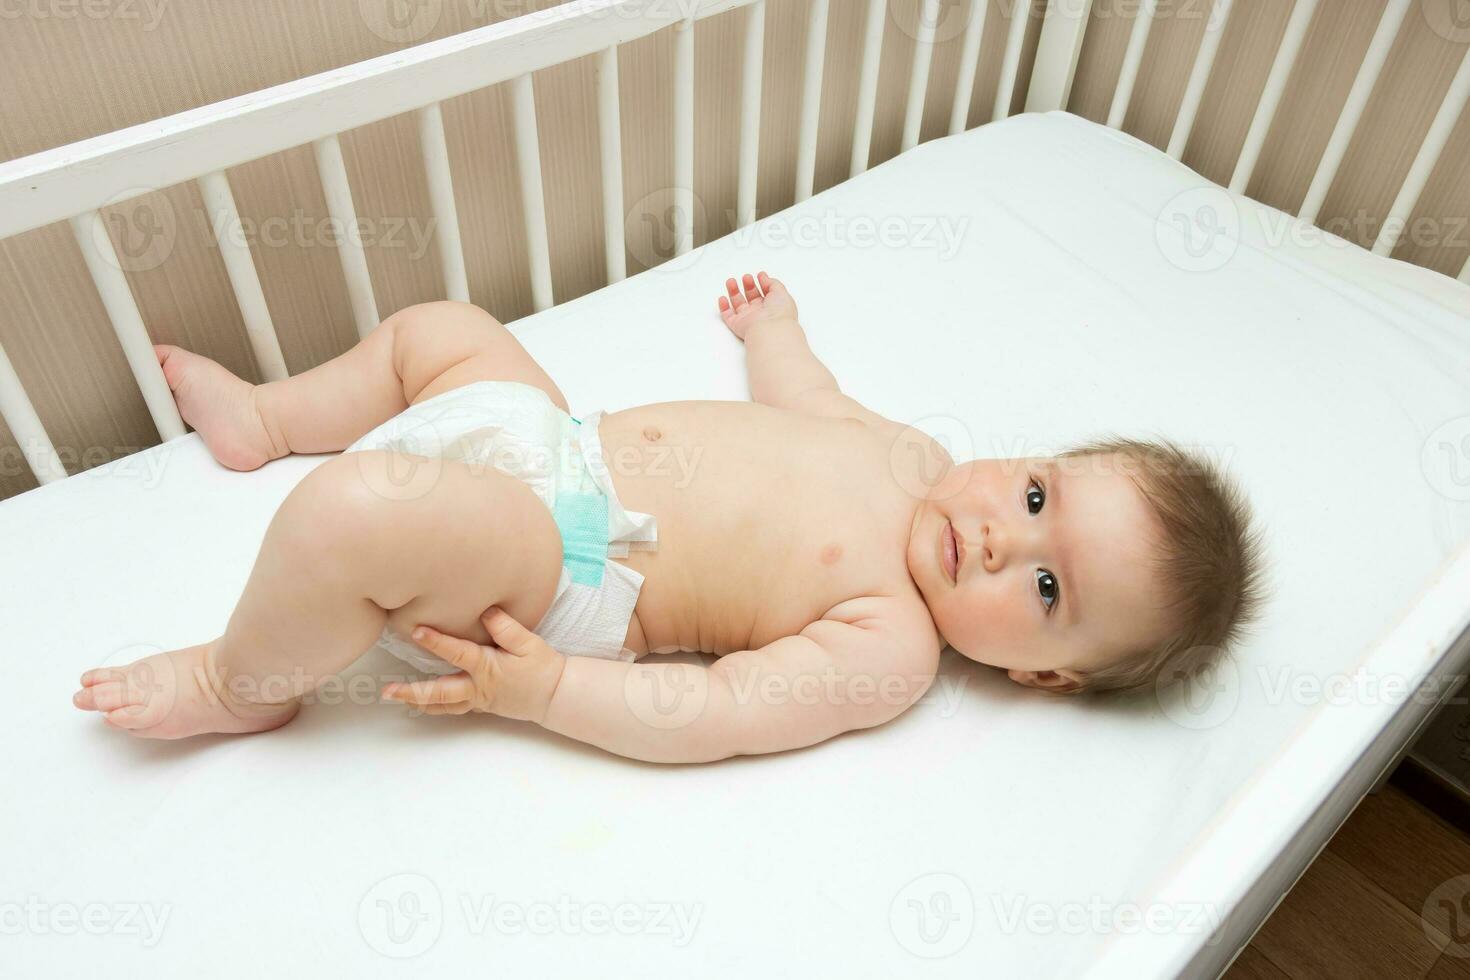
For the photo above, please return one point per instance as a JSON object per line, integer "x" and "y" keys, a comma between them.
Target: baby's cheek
{"x": 988, "y": 620}
{"x": 1002, "y": 621}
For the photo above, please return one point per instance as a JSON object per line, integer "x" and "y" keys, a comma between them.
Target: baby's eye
{"x": 1035, "y": 498}
{"x": 1046, "y": 585}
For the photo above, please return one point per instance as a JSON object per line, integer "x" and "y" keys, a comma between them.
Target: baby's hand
{"x": 514, "y": 679}
{"x": 770, "y": 302}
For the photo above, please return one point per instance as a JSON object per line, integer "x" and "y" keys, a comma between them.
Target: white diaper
{"x": 519, "y": 430}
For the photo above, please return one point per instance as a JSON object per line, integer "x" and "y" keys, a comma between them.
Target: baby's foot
{"x": 173, "y": 695}
{"x": 220, "y": 407}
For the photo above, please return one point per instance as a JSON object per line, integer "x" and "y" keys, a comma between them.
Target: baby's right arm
{"x": 784, "y": 373}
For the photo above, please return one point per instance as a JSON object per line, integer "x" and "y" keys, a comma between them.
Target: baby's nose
{"x": 986, "y": 545}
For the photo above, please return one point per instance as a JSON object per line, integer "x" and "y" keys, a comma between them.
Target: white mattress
{"x": 1316, "y": 371}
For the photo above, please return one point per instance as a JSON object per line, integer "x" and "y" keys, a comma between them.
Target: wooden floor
{"x": 1379, "y": 903}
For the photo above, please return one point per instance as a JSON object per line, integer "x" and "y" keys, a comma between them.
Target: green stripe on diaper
{"x": 582, "y": 518}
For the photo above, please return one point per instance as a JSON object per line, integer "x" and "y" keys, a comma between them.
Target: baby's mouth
{"x": 950, "y": 553}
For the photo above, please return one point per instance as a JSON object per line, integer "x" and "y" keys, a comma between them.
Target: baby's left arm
{"x": 838, "y": 674}
{"x": 783, "y": 371}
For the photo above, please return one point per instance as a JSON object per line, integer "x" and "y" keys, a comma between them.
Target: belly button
{"x": 652, "y": 434}
{"x": 831, "y": 554}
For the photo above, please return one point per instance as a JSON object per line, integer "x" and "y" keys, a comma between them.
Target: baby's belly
{"x": 758, "y": 536}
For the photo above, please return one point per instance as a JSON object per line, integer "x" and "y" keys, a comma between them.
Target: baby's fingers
{"x": 752, "y": 292}
{"x": 441, "y": 690}
{"x": 464, "y": 654}
{"x": 510, "y": 635}
{"x": 737, "y": 300}
{"x": 462, "y": 708}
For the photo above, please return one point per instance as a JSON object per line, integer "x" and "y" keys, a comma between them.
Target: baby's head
{"x": 1096, "y": 569}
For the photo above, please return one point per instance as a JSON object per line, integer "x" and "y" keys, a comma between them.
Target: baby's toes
{"x": 130, "y": 708}
{"x": 101, "y": 674}
{"x": 134, "y": 716}
{"x": 103, "y": 696}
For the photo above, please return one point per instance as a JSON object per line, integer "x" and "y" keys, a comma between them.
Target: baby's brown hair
{"x": 1209, "y": 561}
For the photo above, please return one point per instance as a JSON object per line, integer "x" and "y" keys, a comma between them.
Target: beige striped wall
{"x": 67, "y": 73}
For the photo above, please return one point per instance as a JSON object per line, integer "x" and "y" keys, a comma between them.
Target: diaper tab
{"x": 582, "y": 519}
{"x": 626, "y": 528}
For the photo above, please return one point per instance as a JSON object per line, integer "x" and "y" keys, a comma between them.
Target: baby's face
{"x": 1053, "y": 574}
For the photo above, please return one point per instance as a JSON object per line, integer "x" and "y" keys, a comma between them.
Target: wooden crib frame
{"x": 74, "y": 182}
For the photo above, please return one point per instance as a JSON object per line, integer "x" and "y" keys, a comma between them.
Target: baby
{"x": 823, "y": 553}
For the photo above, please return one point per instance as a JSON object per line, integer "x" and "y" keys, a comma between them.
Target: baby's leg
{"x": 365, "y": 538}
{"x": 416, "y": 353}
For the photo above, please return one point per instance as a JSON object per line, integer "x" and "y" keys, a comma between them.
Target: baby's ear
{"x": 1055, "y": 681}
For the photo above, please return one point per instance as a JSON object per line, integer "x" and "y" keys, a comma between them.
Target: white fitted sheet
{"x": 1317, "y": 371}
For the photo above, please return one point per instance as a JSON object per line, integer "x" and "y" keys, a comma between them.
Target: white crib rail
{"x": 74, "y": 182}
{"x": 533, "y": 195}
{"x": 1434, "y": 143}
{"x": 811, "y": 98}
{"x": 1010, "y": 62}
{"x": 225, "y": 217}
{"x": 913, "y": 113}
{"x": 106, "y": 270}
{"x": 333, "y": 172}
{"x": 1352, "y": 111}
{"x": 1286, "y": 56}
{"x": 609, "y": 125}
{"x": 862, "y": 130}
{"x": 1057, "y": 53}
{"x": 20, "y": 415}
{"x": 1143, "y": 23}
{"x": 964, "y": 82}
{"x": 684, "y": 136}
{"x": 441, "y": 198}
{"x": 750, "y": 111}
{"x": 1199, "y": 77}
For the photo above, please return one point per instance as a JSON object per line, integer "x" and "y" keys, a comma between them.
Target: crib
{"x": 1099, "y": 234}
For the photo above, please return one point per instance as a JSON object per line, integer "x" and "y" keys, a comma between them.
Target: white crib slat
{"x": 533, "y": 197}
{"x": 127, "y": 322}
{"x": 1143, "y": 23}
{"x": 20, "y": 415}
{"x": 333, "y": 173}
{"x": 1010, "y": 65}
{"x": 964, "y": 85}
{"x": 913, "y": 113}
{"x": 1419, "y": 172}
{"x": 441, "y": 198}
{"x": 1352, "y": 110}
{"x": 1199, "y": 77}
{"x": 609, "y": 128}
{"x": 1286, "y": 55}
{"x": 811, "y": 99}
{"x": 862, "y": 127}
{"x": 1058, "y": 50}
{"x": 750, "y": 110}
{"x": 684, "y": 136}
{"x": 219, "y": 202}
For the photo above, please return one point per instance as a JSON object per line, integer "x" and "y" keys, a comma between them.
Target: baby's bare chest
{"x": 767, "y": 520}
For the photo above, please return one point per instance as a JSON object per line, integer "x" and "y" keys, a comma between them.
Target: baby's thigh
{"x": 456, "y": 344}
{"x": 452, "y": 539}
